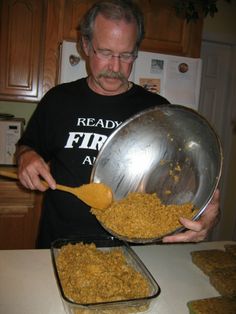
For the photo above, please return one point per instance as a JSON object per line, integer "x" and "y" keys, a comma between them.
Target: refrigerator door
{"x": 176, "y": 78}
{"x": 72, "y": 64}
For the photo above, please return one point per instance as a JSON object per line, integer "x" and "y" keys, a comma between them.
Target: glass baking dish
{"x": 115, "y": 307}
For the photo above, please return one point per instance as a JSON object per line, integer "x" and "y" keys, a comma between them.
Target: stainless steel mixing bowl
{"x": 169, "y": 148}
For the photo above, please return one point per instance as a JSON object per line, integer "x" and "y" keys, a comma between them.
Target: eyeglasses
{"x": 106, "y": 54}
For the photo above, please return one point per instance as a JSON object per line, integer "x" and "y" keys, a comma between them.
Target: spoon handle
{"x": 65, "y": 188}
{"x": 13, "y": 175}
{"x": 9, "y": 174}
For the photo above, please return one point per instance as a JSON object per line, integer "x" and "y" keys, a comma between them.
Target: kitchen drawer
{"x": 20, "y": 211}
{"x": 15, "y": 194}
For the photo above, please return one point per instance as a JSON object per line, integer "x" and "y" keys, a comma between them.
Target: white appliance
{"x": 10, "y": 132}
{"x": 174, "y": 77}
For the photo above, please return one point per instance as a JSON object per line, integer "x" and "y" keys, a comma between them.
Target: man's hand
{"x": 32, "y": 168}
{"x": 198, "y": 230}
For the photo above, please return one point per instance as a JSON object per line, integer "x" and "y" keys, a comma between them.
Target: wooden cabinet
{"x": 31, "y": 32}
{"x": 53, "y": 36}
{"x": 165, "y": 32}
{"x": 21, "y": 49}
{"x": 19, "y": 216}
{"x": 74, "y": 10}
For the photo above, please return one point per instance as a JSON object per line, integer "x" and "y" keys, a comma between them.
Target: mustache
{"x": 111, "y": 74}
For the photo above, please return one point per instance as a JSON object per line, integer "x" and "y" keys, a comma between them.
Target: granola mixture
{"x": 90, "y": 275}
{"x": 143, "y": 216}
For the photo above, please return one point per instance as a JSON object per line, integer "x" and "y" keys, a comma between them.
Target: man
{"x": 73, "y": 120}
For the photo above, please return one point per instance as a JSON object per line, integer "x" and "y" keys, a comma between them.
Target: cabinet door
{"x": 165, "y": 32}
{"x": 168, "y": 33}
{"x": 15, "y": 227}
{"x": 53, "y": 36}
{"x": 74, "y": 11}
{"x": 21, "y": 49}
{"x": 20, "y": 211}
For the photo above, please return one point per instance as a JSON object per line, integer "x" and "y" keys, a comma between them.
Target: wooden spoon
{"x": 96, "y": 195}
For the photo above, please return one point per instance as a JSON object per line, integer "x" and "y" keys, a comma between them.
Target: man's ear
{"x": 85, "y": 45}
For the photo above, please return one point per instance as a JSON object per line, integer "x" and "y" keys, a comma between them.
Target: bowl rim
{"x": 162, "y": 107}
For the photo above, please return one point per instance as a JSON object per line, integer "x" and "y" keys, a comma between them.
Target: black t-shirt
{"x": 68, "y": 128}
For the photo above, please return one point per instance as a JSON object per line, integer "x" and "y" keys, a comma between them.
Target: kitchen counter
{"x": 28, "y": 286}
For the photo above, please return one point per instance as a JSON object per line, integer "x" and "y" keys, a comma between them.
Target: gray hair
{"x": 125, "y": 10}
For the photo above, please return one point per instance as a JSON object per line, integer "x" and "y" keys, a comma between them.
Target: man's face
{"x": 109, "y": 76}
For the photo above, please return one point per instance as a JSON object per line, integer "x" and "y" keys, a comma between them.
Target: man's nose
{"x": 114, "y": 64}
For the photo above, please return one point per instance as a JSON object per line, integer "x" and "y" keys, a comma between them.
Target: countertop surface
{"x": 28, "y": 286}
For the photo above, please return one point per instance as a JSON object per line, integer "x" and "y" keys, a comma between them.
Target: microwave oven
{"x": 10, "y": 132}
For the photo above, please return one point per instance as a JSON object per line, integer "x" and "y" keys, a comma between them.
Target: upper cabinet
{"x": 21, "y": 49}
{"x": 74, "y": 10}
{"x": 31, "y": 32}
{"x": 53, "y": 18}
{"x": 167, "y": 33}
